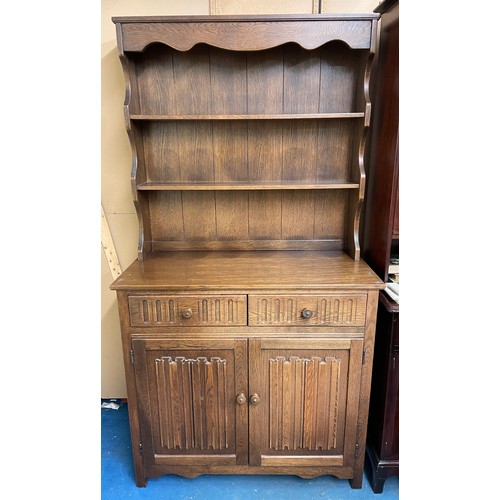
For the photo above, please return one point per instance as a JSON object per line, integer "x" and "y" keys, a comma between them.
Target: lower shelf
{"x": 235, "y": 186}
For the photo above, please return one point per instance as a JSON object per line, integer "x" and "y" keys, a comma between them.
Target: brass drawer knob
{"x": 306, "y": 313}
{"x": 255, "y": 399}
{"x": 187, "y": 313}
{"x": 241, "y": 399}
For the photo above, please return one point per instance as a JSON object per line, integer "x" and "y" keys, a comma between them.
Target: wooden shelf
{"x": 252, "y": 142}
{"x": 288, "y": 116}
{"x": 230, "y": 186}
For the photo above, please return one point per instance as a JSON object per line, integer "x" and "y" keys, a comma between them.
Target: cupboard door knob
{"x": 187, "y": 313}
{"x": 241, "y": 399}
{"x": 255, "y": 399}
{"x": 306, "y": 313}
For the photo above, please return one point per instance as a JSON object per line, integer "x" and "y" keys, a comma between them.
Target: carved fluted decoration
{"x": 187, "y": 311}
{"x": 192, "y": 403}
{"x": 303, "y": 403}
{"x": 347, "y": 310}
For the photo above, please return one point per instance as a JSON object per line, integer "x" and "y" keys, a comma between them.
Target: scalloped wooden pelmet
{"x": 245, "y": 33}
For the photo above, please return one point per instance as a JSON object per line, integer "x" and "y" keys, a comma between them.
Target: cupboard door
{"x": 187, "y": 394}
{"x": 304, "y": 397}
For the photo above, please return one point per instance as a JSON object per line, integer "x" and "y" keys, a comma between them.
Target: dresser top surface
{"x": 245, "y": 18}
{"x": 247, "y": 270}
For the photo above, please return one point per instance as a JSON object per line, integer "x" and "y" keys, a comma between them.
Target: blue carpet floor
{"x": 117, "y": 477}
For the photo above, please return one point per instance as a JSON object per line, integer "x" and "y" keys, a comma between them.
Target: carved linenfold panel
{"x": 192, "y": 409}
{"x": 303, "y": 403}
{"x": 187, "y": 310}
{"x": 335, "y": 310}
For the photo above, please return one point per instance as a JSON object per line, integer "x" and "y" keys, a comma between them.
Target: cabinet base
{"x": 194, "y": 471}
{"x": 378, "y": 470}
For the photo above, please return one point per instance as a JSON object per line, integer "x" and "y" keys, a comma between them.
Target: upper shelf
{"x": 242, "y": 186}
{"x": 245, "y": 33}
{"x": 282, "y": 116}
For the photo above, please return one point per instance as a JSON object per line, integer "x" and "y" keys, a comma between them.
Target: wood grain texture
{"x": 243, "y": 245}
{"x": 248, "y": 35}
{"x": 265, "y": 215}
{"x": 303, "y": 386}
{"x": 383, "y": 420}
{"x": 196, "y": 151}
{"x": 302, "y": 461}
{"x": 246, "y": 116}
{"x": 200, "y": 152}
{"x": 243, "y": 186}
{"x": 342, "y": 472}
{"x": 231, "y": 215}
{"x": 193, "y": 154}
{"x": 210, "y": 83}
{"x": 248, "y": 133}
{"x": 381, "y": 240}
{"x": 155, "y": 82}
{"x": 364, "y": 399}
{"x": 189, "y": 400}
{"x": 132, "y": 396}
{"x": 177, "y": 381}
{"x": 296, "y": 380}
{"x": 225, "y": 460}
{"x": 241, "y": 387}
{"x": 131, "y": 104}
{"x": 333, "y": 310}
{"x": 353, "y": 246}
{"x": 198, "y": 216}
{"x": 265, "y": 82}
{"x": 138, "y": 354}
{"x": 232, "y": 270}
{"x": 383, "y": 176}
{"x": 192, "y": 79}
{"x": 167, "y": 310}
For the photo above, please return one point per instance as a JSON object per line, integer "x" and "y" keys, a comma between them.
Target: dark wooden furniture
{"x": 381, "y": 239}
{"x": 248, "y": 319}
{"x": 383, "y": 424}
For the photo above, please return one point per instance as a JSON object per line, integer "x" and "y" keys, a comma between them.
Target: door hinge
{"x": 356, "y": 453}
{"x": 132, "y": 356}
{"x": 363, "y": 358}
{"x": 140, "y": 448}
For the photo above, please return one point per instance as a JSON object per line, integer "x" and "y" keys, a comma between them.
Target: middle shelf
{"x": 233, "y": 186}
{"x": 276, "y": 116}
{"x": 248, "y": 154}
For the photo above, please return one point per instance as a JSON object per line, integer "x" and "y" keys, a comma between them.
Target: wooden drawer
{"x": 307, "y": 310}
{"x": 187, "y": 310}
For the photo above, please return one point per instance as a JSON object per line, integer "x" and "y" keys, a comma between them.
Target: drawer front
{"x": 184, "y": 310}
{"x": 307, "y": 310}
